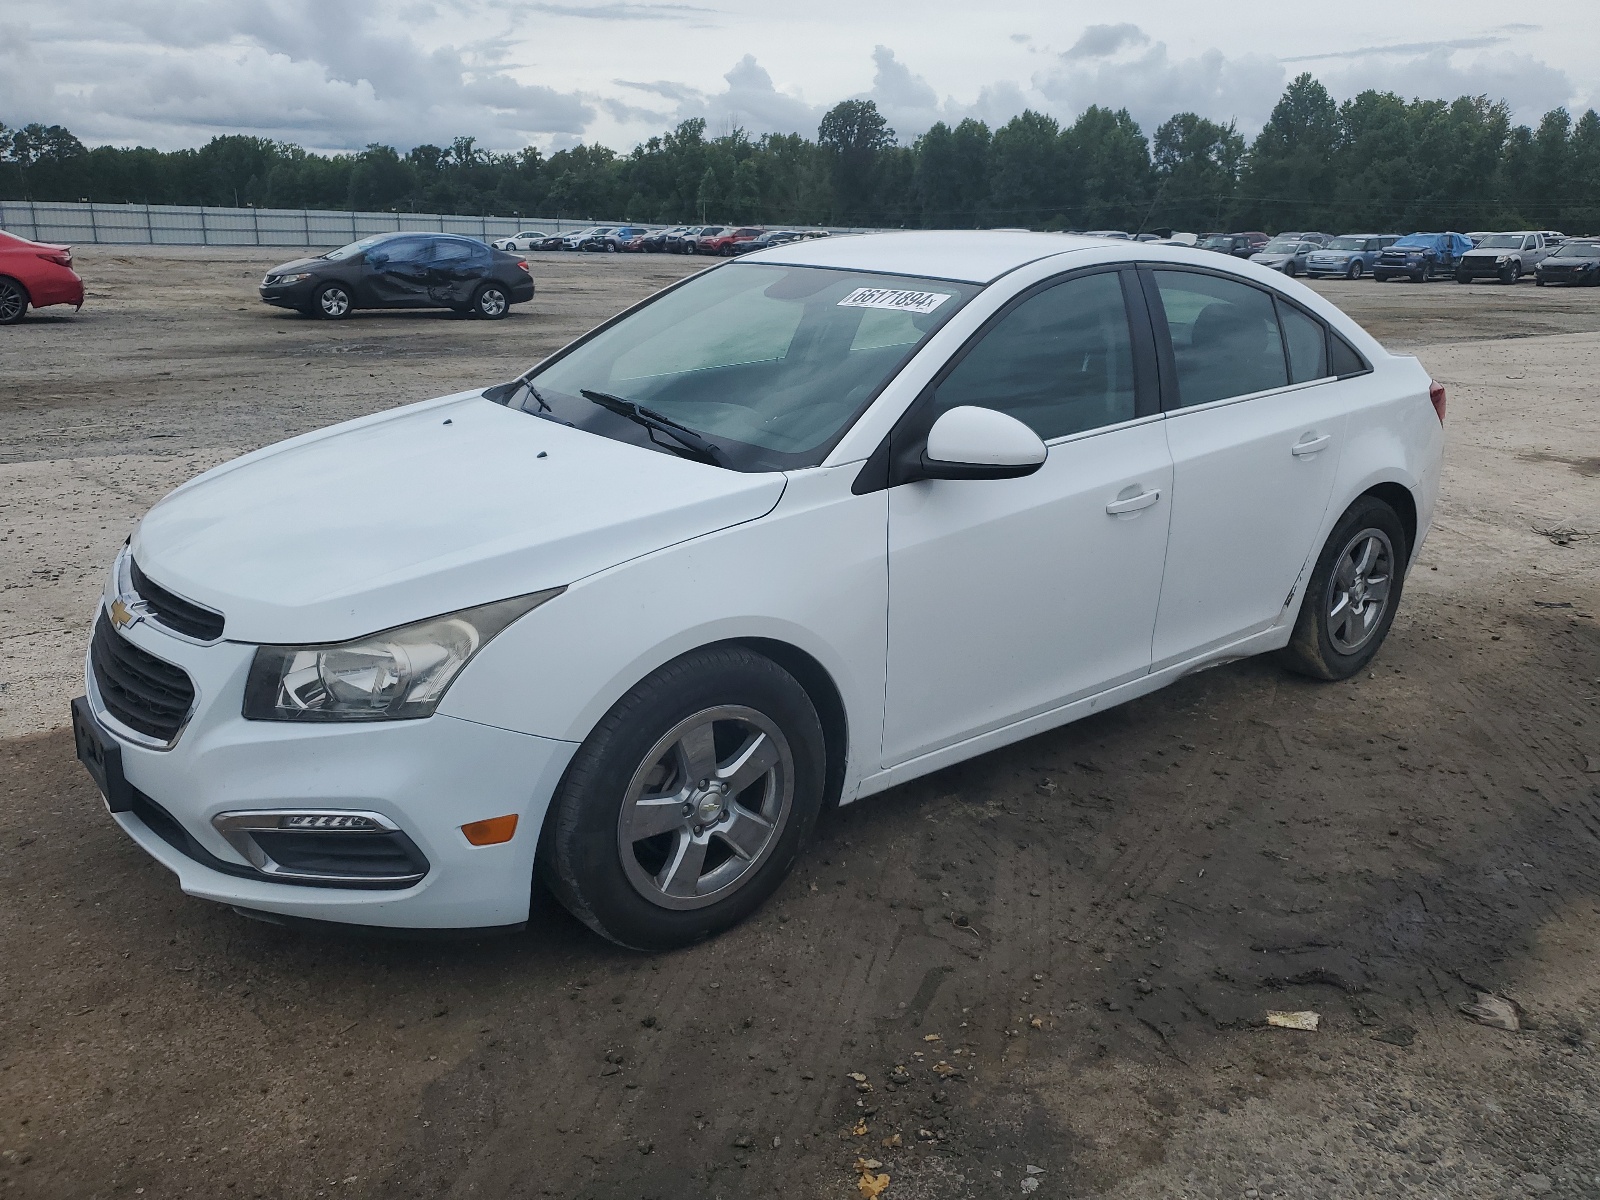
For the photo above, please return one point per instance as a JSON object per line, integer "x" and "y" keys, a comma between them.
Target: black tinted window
{"x": 1060, "y": 362}
{"x": 1344, "y": 359}
{"x": 1225, "y": 337}
{"x": 403, "y": 250}
{"x": 1306, "y": 342}
{"x": 448, "y": 250}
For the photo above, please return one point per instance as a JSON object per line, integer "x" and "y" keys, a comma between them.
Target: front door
{"x": 1008, "y": 598}
{"x": 397, "y": 272}
{"x": 1255, "y": 441}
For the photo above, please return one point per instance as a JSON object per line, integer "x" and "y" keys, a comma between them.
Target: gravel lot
{"x": 1055, "y": 959}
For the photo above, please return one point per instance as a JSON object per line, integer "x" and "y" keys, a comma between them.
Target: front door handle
{"x": 1134, "y": 503}
{"x": 1311, "y": 445}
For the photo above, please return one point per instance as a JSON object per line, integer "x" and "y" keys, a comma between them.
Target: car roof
{"x": 967, "y": 256}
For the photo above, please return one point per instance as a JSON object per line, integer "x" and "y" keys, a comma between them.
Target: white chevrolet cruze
{"x": 793, "y": 531}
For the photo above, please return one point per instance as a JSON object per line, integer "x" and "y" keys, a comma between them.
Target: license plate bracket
{"x": 101, "y": 756}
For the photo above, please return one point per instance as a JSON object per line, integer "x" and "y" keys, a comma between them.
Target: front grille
{"x": 143, "y": 692}
{"x": 176, "y": 613}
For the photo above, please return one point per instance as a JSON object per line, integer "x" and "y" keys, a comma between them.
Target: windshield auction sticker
{"x": 916, "y": 302}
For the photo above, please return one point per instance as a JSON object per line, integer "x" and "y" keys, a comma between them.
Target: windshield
{"x": 1279, "y": 245}
{"x": 1220, "y": 241}
{"x": 770, "y": 363}
{"x": 1501, "y": 241}
{"x": 1347, "y": 243}
{"x": 1579, "y": 250}
{"x": 355, "y": 248}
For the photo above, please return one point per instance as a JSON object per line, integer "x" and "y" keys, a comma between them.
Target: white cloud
{"x": 1530, "y": 87}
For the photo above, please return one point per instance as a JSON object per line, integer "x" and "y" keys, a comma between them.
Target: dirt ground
{"x": 1044, "y": 972}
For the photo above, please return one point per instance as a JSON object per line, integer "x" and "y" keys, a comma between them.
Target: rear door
{"x": 456, "y": 268}
{"x": 1255, "y": 424}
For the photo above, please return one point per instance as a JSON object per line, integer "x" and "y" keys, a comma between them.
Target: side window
{"x": 1060, "y": 362}
{"x": 1530, "y": 243}
{"x": 1225, "y": 339}
{"x": 450, "y": 252}
{"x": 406, "y": 250}
{"x": 1306, "y": 342}
{"x": 1344, "y": 359}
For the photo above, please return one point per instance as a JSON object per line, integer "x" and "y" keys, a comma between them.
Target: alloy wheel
{"x": 334, "y": 302}
{"x": 706, "y": 807}
{"x": 1359, "y": 591}
{"x": 12, "y": 302}
{"x": 491, "y": 302}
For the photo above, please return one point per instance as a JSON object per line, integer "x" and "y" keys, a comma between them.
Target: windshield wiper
{"x": 655, "y": 422}
{"x": 501, "y": 393}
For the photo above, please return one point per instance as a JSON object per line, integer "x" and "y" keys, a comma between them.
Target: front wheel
{"x": 689, "y": 803}
{"x": 13, "y": 302}
{"x": 1511, "y": 274}
{"x": 1354, "y": 590}
{"x": 491, "y": 302}
{"x": 1463, "y": 277}
{"x": 1354, "y": 270}
{"x": 331, "y": 302}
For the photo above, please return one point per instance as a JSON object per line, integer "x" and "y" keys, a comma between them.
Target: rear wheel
{"x": 331, "y": 302}
{"x": 491, "y": 302}
{"x": 688, "y": 804}
{"x": 13, "y": 301}
{"x": 1354, "y": 590}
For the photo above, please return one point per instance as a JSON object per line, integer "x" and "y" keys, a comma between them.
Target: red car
{"x": 725, "y": 241}
{"x": 35, "y": 273}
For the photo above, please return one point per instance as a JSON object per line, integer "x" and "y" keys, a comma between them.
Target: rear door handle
{"x": 1311, "y": 445}
{"x": 1134, "y": 503}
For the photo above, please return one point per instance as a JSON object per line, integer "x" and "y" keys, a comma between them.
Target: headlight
{"x": 282, "y": 279}
{"x": 1502, "y": 259}
{"x": 400, "y": 674}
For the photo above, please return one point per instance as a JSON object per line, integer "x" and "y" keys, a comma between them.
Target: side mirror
{"x": 980, "y": 443}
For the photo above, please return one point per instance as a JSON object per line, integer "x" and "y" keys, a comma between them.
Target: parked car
{"x": 1239, "y": 245}
{"x": 678, "y": 242}
{"x": 579, "y": 239}
{"x": 695, "y": 243}
{"x": 1477, "y": 237}
{"x": 1575, "y": 261}
{"x": 1421, "y": 257}
{"x": 772, "y": 237}
{"x": 317, "y": 691}
{"x": 1503, "y": 256}
{"x": 1288, "y": 252}
{"x": 402, "y": 270}
{"x": 1117, "y": 234}
{"x": 531, "y": 239}
{"x": 655, "y": 242}
{"x": 726, "y": 240}
{"x": 623, "y": 237}
{"x": 1351, "y": 255}
{"x": 36, "y": 274}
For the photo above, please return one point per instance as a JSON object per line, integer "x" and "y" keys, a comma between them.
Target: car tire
{"x": 1511, "y": 274}
{"x": 1355, "y": 269}
{"x": 1338, "y": 629}
{"x": 331, "y": 302}
{"x": 1379, "y": 278}
{"x": 1290, "y": 269}
{"x": 705, "y": 713}
{"x": 490, "y": 302}
{"x": 13, "y": 301}
{"x": 1463, "y": 277}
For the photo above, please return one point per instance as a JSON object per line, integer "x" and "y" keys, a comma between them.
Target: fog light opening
{"x": 492, "y": 832}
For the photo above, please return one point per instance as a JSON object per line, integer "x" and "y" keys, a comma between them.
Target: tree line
{"x": 1376, "y": 162}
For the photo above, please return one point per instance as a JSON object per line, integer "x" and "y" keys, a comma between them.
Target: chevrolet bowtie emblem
{"x": 121, "y": 615}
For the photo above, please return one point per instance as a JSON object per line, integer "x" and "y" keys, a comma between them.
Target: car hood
{"x": 424, "y": 510}
{"x": 298, "y": 264}
{"x": 1558, "y": 260}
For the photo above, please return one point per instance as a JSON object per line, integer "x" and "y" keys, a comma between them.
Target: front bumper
{"x": 426, "y": 777}
{"x": 294, "y": 295}
{"x": 1482, "y": 268}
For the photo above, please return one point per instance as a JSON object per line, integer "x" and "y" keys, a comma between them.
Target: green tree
{"x": 854, "y": 135}
{"x": 1108, "y": 164}
{"x": 1197, "y": 163}
{"x": 1027, "y": 180}
{"x": 1290, "y": 175}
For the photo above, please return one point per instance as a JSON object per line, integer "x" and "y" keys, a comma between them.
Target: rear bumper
{"x": 58, "y": 285}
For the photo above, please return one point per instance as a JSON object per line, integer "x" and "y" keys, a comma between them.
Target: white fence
{"x": 181, "y": 225}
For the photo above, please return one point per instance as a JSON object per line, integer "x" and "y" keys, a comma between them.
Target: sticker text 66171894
{"x": 903, "y": 301}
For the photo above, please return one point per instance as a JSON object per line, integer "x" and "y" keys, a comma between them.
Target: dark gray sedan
{"x": 402, "y": 270}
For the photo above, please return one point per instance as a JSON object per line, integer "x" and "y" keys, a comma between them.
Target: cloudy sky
{"x": 337, "y": 74}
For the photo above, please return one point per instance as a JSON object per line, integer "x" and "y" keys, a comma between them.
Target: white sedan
{"x": 528, "y": 239}
{"x": 795, "y": 530}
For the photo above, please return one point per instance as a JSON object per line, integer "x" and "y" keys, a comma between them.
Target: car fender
{"x": 811, "y": 574}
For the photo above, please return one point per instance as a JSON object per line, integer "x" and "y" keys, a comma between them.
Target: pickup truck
{"x": 1504, "y": 256}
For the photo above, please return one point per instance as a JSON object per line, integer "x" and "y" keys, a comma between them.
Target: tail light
{"x": 1436, "y": 394}
{"x": 62, "y": 258}
{"x": 523, "y": 263}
